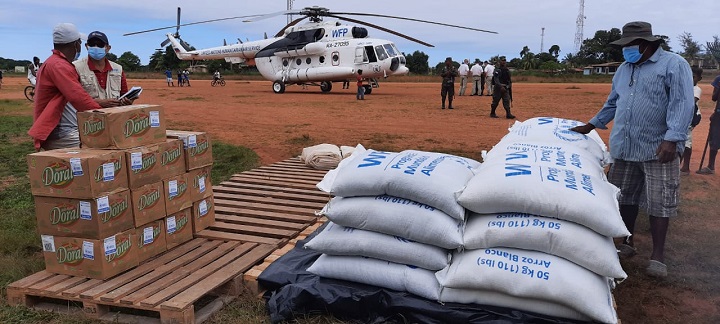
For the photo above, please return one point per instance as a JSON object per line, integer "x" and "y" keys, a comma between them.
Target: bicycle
{"x": 30, "y": 93}
{"x": 215, "y": 82}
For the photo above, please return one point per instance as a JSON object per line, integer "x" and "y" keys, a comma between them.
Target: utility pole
{"x": 580, "y": 23}
{"x": 542, "y": 40}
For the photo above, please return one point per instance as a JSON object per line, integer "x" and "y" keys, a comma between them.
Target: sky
{"x": 26, "y": 26}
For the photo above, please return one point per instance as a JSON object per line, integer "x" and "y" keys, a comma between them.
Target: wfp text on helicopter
{"x": 318, "y": 53}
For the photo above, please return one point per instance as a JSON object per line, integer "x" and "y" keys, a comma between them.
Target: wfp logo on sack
{"x": 375, "y": 158}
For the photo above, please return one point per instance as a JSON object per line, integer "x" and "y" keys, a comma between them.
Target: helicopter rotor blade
{"x": 189, "y": 24}
{"x": 165, "y": 42}
{"x": 292, "y": 23}
{"x": 177, "y": 30}
{"x": 382, "y": 29}
{"x": 413, "y": 19}
{"x": 274, "y": 14}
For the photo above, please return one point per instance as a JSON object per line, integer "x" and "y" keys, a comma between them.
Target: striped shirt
{"x": 650, "y": 102}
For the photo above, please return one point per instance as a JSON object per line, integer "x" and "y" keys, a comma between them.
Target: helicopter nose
{"x": 402, "y": 70}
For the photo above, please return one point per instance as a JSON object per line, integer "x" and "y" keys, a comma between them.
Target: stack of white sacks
{"x": 394, "y": 219}
{"x": 561, "y": 263}
{"x": 397, "y": 217}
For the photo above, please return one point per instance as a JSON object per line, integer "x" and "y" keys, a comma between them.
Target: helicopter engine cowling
{"x": 309, "y": 49}
{"x": 328, "y": 73}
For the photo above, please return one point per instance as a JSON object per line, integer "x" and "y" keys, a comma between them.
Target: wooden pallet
{"x": 268, "y": 205}
{"x": 250, "y": 277}
{"x": 165, "y": 289}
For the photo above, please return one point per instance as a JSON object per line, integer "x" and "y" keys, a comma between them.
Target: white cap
{"x": 64, "y": 33}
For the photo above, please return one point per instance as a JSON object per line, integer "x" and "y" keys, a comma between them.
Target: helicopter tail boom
{"x": 180, "y": 51}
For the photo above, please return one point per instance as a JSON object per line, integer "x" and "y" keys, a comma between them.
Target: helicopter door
{"x": 371, "y": 54}
{"x": 360, "y": 55}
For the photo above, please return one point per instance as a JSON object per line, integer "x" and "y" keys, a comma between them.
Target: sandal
{"x": 705, "y": 170}
{"x": 656, "y": 269}
{"x": 626, "y": 251}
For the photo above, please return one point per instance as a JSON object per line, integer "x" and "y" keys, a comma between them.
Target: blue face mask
{"x": 632, "y": 53}
{"x": 96, "y": 53}
{"x": 77, "y": 54}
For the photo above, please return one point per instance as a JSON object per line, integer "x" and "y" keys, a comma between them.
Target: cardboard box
{"x": 148, "y": 203}
{"x": 122, "y": 127}
{"x": 198, "y": 149}
{"x": 172, "y": 157}
{"x": 95, "y": 259}
{"x": 203, "y": 214}
{"x": 72, "y": 217}
{"x": 200, "y": 184}
{"x": 178, "y": 228}
{"x": 143, "y": 166}
{"x": 76, "y": 173}
{"x": 177, "y": 193}
{"x": 151, "y": 240}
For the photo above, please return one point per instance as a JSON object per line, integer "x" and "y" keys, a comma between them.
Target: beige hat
{"x": 64, "y": 33}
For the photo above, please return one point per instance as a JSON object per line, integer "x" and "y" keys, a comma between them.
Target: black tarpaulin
{"x": 293, "y": 292}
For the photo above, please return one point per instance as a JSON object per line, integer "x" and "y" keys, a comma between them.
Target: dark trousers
{"x": 447, "y": 90}
{"x": 497, "y": 95}
{"x": 482, "y": 86}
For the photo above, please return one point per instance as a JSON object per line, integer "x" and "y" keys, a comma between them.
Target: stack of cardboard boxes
{"x": 132, "y": 192}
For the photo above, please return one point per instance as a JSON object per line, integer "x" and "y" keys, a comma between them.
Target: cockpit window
{"x": 390, "y": 50}
{"x": 381, "y": 54}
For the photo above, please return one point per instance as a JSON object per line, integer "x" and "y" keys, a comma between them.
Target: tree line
{"x": 593, "y": 50}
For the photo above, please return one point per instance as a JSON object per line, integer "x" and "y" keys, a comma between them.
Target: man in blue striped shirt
{"x": 651, "y": 104}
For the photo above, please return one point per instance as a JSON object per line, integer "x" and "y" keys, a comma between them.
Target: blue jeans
{"x": 361, "y": 93}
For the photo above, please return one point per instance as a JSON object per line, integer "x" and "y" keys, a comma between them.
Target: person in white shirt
{"x": 687, "y": 153}
{"x": 477, "y": 71}
{"x": 32, "y": 70}
{"x": 489, "y": 71}
{"x": 463, "y": 72}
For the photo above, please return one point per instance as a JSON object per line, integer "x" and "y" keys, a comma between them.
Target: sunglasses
{"x": 95, "y": 44}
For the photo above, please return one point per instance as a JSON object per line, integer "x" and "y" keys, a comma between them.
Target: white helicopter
{"x": 317, "y": 53}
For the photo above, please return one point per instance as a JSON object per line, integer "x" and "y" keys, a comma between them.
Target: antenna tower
{"x": 580, "y": 22}
{"x": 289, "y": 7}
{"x": 542, "y": 39}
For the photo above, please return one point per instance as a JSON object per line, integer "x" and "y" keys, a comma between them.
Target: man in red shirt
{"x": 58, "y": 85}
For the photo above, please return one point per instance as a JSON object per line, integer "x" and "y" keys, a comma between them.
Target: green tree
{"x": 111, "y": 57}
{"x": 417, "y": 62}
{"x": 129, "y": 61}
{"x": 598, "y": 49}
{"x": 691, "y": 48}
{"x": 554, "y": 51}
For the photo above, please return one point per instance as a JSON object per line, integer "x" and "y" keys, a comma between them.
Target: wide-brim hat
{"x": 635, "y": 30}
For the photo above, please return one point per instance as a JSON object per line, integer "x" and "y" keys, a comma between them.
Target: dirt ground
{"x": 400, "y": 116}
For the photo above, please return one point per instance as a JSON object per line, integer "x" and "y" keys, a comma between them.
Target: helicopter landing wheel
{"x": 368, "y": 89}
{"x": 278, "y": 87}
{"x": 325, "y": 86}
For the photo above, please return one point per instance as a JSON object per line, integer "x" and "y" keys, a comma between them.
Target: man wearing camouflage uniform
{"x": 448, "y": 74}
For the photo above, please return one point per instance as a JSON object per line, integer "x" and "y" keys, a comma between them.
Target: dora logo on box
{"x": 64, "y": 214}
{"x": 171, "y": 156}
{"x": 69, "y": 254}
{"x": 149, "y": 199}
{"x": 117, "y": 164}
{"x": 181, "y": 189}
{"x": 148, "y": 162}
{"x": 180, "y": 224}
{"x": 57, "y": 175}
{"x": 118, "y": 207}
{"x": 93, "y": 127}
{"x": 200, "y": 148}
{"x": 137, "y": 125}
{"x": 121, "y": 250}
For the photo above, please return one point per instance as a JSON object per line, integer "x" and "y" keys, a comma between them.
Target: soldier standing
{"x": 502, "y": 89}
{"x": 448, "y": 74}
